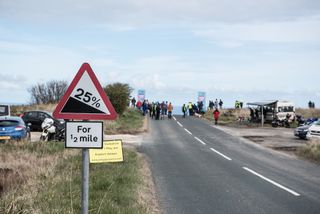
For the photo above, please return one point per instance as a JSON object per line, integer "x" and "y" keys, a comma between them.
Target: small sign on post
{"x": 84, "y": 134}
{"x": 111, "y": 152}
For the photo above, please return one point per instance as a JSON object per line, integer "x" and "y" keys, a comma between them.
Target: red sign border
{"x": 85, "y": 116}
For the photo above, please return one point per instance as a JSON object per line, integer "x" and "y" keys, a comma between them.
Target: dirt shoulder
{"x": 281, "y": 139}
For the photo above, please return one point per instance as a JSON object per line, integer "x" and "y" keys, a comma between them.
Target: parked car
{"x": 36, "y": 118}
{"x": 302, "y": 131}
{"x": 314, "y": 130}
{"x": 13, "y": 128}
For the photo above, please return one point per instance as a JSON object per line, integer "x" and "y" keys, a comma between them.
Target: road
{"x": 200, "y": 169}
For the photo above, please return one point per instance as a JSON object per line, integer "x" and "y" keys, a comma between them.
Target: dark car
{"x": 35, "y": 118}
{"x": 13, "y": 128}
{"x": 302, "y": 131}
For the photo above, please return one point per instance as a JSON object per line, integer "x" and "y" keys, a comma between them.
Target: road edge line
{"x": 272, "y": 182}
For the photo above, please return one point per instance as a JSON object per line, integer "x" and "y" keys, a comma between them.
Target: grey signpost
{"x": 85, "y": 182}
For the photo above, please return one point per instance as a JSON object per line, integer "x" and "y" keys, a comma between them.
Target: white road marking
{"x": 174, "y": 118}
{"x": 179, "y": 124}
{"x": 200, "y": 141}
{"x": 188, "y": 131}
{"x": 219, "y": 153}
{"x": 272, "y": 182}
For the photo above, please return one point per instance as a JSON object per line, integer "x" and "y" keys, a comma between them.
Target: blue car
{"x": 13, "y": 128}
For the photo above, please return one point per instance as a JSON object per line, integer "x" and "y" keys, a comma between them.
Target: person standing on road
{"x": 190, "y": 106}
{"x": 158, "y": 111}
{"x": 216, "y": 115}
{"x": 170, "y": 108}
{"x": 184, "y": 110}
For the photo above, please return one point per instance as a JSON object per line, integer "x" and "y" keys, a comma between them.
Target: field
{"x": 44, "y": 177}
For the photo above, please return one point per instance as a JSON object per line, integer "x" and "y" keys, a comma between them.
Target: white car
{"x": 314, "y": 130}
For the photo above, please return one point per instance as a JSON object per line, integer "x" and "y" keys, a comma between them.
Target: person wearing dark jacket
{"x": 158, "y": 109}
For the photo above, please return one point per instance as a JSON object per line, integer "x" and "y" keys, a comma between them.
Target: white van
{"x": 282, "y": 108}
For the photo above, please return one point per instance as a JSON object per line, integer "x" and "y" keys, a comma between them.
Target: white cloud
{"x": 11, "y": 82}
{"x": 132, "y": 13}
{"x": 236, "y": 35}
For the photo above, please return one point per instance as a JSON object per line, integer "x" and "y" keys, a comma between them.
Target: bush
{"x": 119, "y": 95}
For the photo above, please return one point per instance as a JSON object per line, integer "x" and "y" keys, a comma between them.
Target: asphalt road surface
{"x": 200, "y": 169}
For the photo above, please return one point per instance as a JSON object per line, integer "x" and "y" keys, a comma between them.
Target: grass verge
{"x": 230, "y": 117}
{"x": 310, "y": 151}
{"x": 48, "y": 180}
{"x": 130, "y": 122}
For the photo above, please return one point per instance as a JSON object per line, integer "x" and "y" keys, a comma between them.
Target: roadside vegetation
{"x": 231, "y": 117}
{"x": 311, "y": 151}
{"x": 130, "y": 122}
{"x": 308, "y": 113}
{"x": 46, "y": 178}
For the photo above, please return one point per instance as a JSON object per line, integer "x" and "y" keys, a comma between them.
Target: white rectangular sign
{"x": 84, "y": 134}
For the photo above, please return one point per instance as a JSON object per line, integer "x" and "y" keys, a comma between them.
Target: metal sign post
{"x": 85, "y": 182}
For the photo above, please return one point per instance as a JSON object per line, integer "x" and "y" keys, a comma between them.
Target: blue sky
{"x": 249, "y": 50}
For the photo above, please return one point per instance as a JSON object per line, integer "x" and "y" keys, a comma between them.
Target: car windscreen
{"x": 286, "y": 109}
{"x": 8, "y": 123}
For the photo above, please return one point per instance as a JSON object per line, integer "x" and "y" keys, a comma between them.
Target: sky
{"x": 248, "y": 50}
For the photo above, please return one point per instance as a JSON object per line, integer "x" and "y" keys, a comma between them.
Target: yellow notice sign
{"x": 111, "y": 152}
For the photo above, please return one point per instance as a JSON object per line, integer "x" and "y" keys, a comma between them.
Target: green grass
{"x": 54, "y": 184}
{"x": 39, "y": 148}
{"x": 130, "y": 122}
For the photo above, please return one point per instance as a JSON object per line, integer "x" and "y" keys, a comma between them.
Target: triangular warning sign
{"x": 85, "y": 99}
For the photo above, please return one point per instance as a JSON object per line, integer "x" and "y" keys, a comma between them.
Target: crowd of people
{"x": 311, "y": 104}
{"x": 156, "y": 110}
{"x": 216, "y": 104}
{"x": 160, "y": 110}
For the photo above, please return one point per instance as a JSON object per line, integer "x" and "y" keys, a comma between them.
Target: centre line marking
{"x": 272, "y": 182}
{"x": 200, "y": 141}
{"x": 188, "y": 131}
{"x": 179, "y": 124}
{"x": 219, "y": 153}
{"x": 174, "y": 118}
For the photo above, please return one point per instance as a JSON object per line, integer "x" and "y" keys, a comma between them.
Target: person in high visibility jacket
{"x": 190, "y": 106}
{"x": 184, "y": 110}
